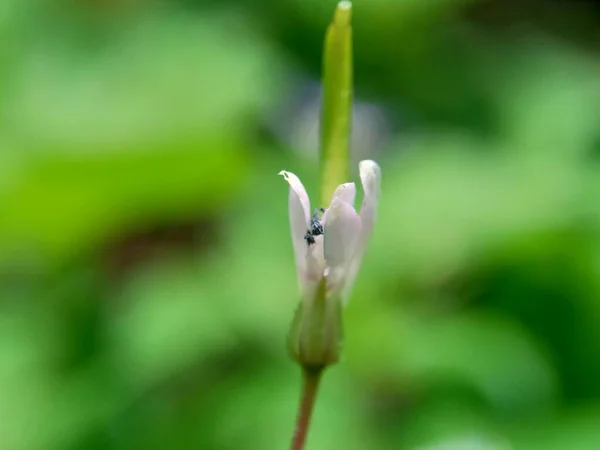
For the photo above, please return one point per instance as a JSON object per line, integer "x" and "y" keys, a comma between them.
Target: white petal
{"x": 342, "y": 233}
{"x": 298, "y": 188}
{"x": 370, "y": 176}
{"x": 299, "y": 214}
{"x": 345, "y": 192}
{"x": 315, "y": 260}
{"x": 315, "y": 269}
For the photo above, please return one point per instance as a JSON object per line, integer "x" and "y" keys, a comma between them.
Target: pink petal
{"x": 345, "y": 192}
{"x": 315, "y": 263}
{"x": 342, "y": 233}
{"x": 299, "y": 214}
{"x": 298, "y": 188}
{"x": 370, "y": 176}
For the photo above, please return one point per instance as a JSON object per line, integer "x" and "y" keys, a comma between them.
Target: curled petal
{"x": 299, "y": 214}
{"x": 345, "y": 192}
{"x": 297, "y": 188}
{"x": 342, "y": 234}
{"x": 370, "y": 176}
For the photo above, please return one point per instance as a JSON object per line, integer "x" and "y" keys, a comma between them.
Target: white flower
{"x": 337, "y": 254}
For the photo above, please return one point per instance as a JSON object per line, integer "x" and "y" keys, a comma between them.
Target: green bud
{"x": 336, "y": 109}
{"x": 316, "y": 335}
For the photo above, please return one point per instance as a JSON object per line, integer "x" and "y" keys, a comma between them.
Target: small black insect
{"x": 316, "y": 227}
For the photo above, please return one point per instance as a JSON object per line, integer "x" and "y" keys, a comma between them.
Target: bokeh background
{"x": 146, "y": 270}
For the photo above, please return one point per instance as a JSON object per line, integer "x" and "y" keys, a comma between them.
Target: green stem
{"x": 310, "y": 386}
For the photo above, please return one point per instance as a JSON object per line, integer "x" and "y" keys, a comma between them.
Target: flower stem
{"x": 310, "y": 384}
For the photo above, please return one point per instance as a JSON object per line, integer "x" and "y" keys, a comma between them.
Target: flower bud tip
{"x": 343, "y": 13}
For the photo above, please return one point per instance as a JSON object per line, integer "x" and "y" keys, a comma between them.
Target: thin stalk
{"x": 310, "y": 385}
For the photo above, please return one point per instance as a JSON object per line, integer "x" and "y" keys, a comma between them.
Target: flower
{"x": 336, "y": 255}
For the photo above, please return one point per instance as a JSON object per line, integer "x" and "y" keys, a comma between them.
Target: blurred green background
{"x": 146, "y": 270}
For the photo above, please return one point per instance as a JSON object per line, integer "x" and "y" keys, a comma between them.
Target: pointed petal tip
{"x": 340, "y": 188}
{"x": 344, "y": 186}
{"x": 345, "y": 192}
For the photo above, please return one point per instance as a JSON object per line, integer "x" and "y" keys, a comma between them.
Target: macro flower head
{"x": 332, "y": 257}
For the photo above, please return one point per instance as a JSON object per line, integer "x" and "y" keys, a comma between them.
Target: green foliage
{"x": 146, "y": 272}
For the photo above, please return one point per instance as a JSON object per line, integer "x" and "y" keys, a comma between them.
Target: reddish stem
{"x": 310, "y": 385}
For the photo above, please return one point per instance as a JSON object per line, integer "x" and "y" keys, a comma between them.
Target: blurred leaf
{"x": 575, "y": 429}
{"x": 496, "y": 357}
{"x": 547, "y": 99}
{"x": 151, "y": 129}
{"x": 168, "y": 321}
{"x": 160, "y": 78}
{"x": 443, "y": 206}
{"x": 60, "y": 205}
